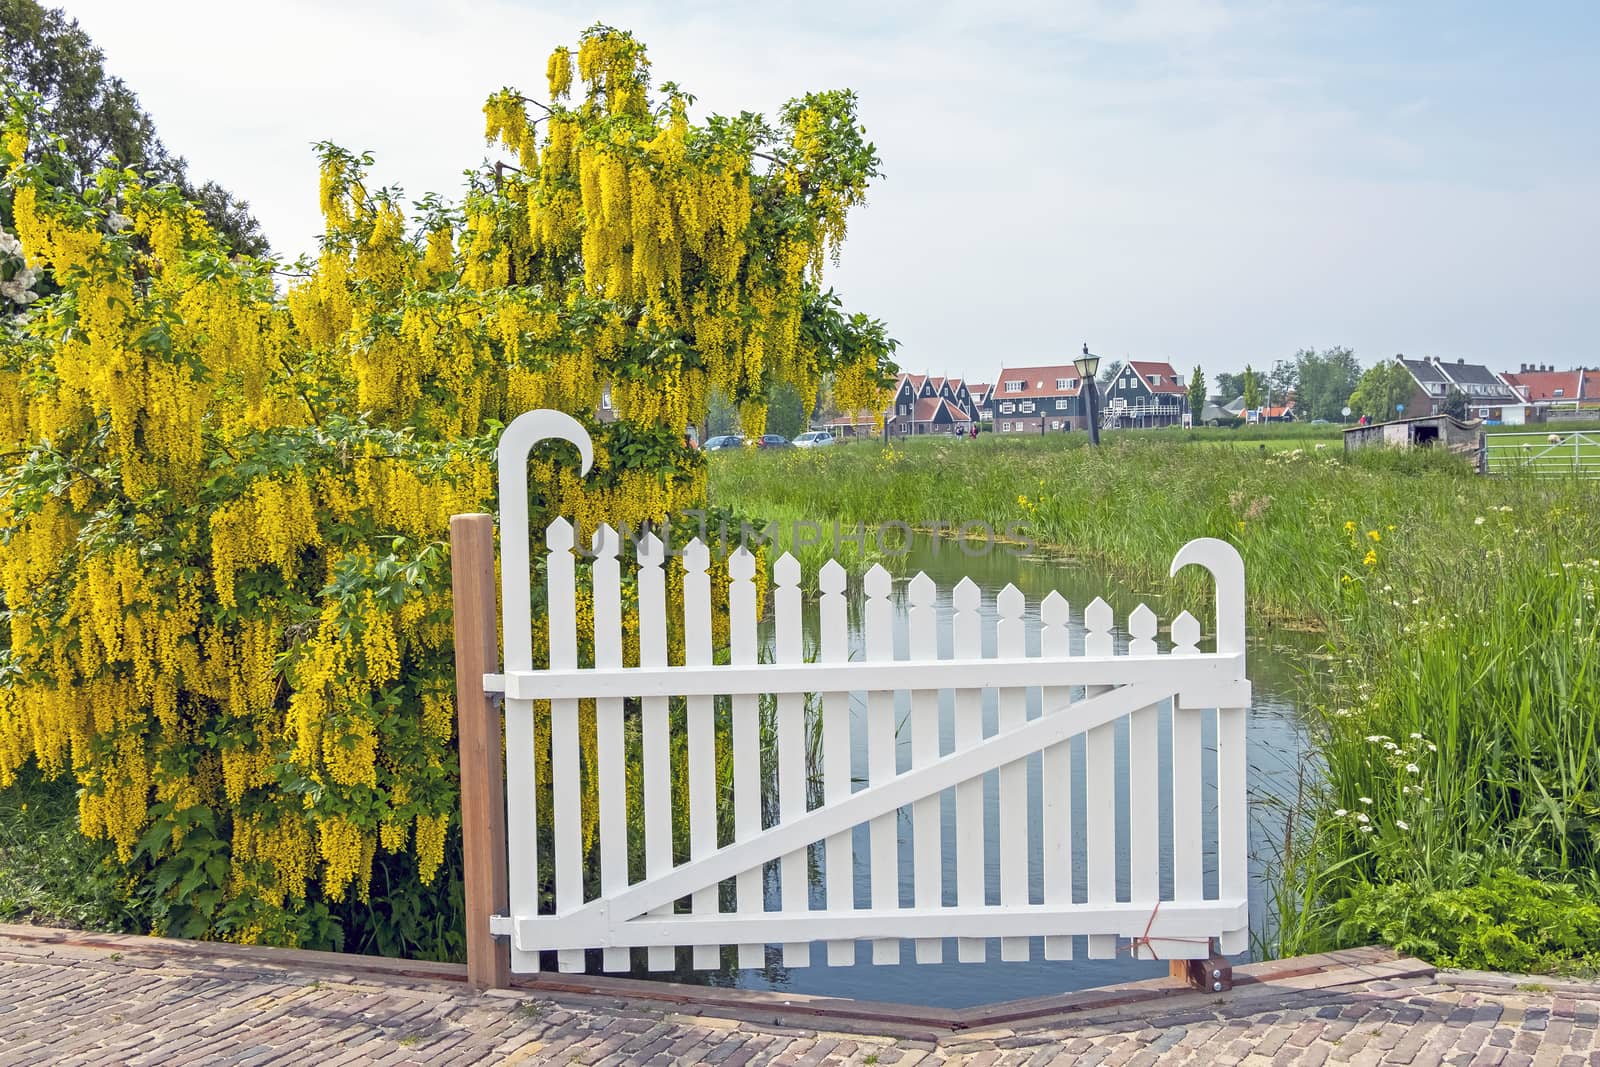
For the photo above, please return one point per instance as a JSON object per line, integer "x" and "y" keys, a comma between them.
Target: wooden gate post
{"x": 479, "y": 731}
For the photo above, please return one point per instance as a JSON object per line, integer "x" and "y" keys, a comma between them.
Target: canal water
{"x": 1276, "y": 755}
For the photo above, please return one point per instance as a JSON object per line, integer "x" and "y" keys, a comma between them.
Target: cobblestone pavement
{"x": 84, "y": 998}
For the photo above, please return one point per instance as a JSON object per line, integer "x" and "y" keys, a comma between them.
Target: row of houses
{"x": 1024, "y": 400}
{"x": 1532, "y": 394}
{"x": 920, "y": 404}
{"x": 1052, "y": 399}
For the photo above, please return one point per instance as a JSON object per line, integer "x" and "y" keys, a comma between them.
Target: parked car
{"x": 729, "y": 440}
{"x": 813, "y": 439}
{"x": 773, "y": 440}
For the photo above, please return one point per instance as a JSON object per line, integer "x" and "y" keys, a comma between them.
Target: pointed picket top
{"x": 1142, "y": 623}
{"x": 1053, "y": 609}
{"x": 966, "y": 595}
{"x": 877, "y": 582}
{"x": 1097, "y": 617}
{"x": 558, "y": 535}
{"x": 742, "y": 565}
{"x": 605, "y": 542}
{"x": 1185, "y": 632}
{"x": 786, "y": 571}
{"x": 650, "y": 550}
{"x": 831, "y": 578}
{"x": 696, "y": 557}
{"x": 1011, "y": 602}
{"x": 921, "y": 590}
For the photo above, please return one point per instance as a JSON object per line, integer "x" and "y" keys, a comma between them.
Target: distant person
{"x": 974, "y": 431}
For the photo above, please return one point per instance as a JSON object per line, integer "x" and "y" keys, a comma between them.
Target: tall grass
{"x": 1457, "y": 720}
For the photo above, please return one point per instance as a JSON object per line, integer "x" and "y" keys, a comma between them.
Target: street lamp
{"x": 1088, "y": 365}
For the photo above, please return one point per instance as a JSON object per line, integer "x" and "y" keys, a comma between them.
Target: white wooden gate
{"x": 676, "y": 903}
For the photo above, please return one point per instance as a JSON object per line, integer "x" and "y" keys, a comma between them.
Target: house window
{"x": 1055, "y": 424}
{"x": 1061, "y": 383}
{"x": 605, "y": 399}
{"x": 1483, "y": 413}
{"x": 1027, "y": 405}
{"x": 1014, "y": 386}
{"x": 1006, "y": 409}
{"x": 1155, "y": 379}
{"x": 1061, "y": 404}
{"x": 1560, "y": 392}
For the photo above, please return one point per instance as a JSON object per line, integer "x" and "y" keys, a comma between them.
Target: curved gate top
{"x": 795, "y": 837}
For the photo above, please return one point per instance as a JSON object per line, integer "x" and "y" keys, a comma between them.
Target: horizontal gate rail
{"x": 1175, "y": 920}
{"x": 1214, "y": 673}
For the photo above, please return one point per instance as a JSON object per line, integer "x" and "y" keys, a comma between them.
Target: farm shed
{"x": 1426, "y": 431}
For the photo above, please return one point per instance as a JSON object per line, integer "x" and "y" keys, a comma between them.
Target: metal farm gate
{"x": 676, "y": 902}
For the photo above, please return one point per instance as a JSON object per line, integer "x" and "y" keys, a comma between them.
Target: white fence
{"x": 676, "y": 902}
{"x": 1571, "y": 453}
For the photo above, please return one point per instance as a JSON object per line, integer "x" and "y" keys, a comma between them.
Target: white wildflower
{"x": 1415, "y": 736}
{"x": 1340, "y": 812}
{"x": 1366, "y": 829}
{"x": 1412, "y": 768}
{"x": 1478, "y": 521}
{"x": 1402, "y": 824}
{"x": 1365, "y": 800}
{"x": 1361, "y": 817}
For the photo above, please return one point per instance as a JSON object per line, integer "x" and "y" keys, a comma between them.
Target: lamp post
{"x": 1088, "y": 366}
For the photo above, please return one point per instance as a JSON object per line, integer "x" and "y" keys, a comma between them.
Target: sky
{"x": 1207, "y": 182}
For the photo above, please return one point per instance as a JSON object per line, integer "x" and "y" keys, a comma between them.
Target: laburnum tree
{"x": 225, "y": 507}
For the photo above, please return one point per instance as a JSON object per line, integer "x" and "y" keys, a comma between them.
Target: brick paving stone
{"x": 78, "y": 1003}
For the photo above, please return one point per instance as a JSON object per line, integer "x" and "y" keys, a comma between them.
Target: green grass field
{"x": 1456, "y": 718}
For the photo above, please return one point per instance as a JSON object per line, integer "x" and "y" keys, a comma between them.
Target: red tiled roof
{"x": 1170, "y": 382}
{"x": 1542, "y": 385}
{"x": 1279, "y": 412}
{"x": 1036, "y": 381}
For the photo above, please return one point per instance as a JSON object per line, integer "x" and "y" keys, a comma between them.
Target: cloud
{"x": 1200, "y": 180}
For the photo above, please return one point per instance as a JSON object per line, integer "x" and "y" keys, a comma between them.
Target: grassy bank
{"x": 1458, "y": 719}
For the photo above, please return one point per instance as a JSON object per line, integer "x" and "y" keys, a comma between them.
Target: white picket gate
{"x": 676, "y": 903}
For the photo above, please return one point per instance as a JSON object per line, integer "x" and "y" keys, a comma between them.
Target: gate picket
{"x": 927, "y": 841}
{"x": 1082, "y": 696}
{"x": 657, "y": 738}
{"x": 611, "y": 765}
{"x": 701, "y": 728}
{"x": 1144, "y": 781}
{"x": 566, "y": 797}
{"x": 838, "y": 856}
{"x": 1010, "y": 641}
{"x": 791, "y": 747}
{"x": 746, "y": 738}
{"x": 1188, "y": 876}
{"x": 1100, "y": 759}
{"x": 970, "y": 824}
{"x": 1056, "y": 775}
{"x": 881, "y": 757}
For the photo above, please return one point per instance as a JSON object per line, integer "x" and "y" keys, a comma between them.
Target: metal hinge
{"x": 500, "y": 925}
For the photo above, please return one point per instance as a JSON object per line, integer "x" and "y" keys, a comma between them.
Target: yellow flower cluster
{"x": 225, "y": 572}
